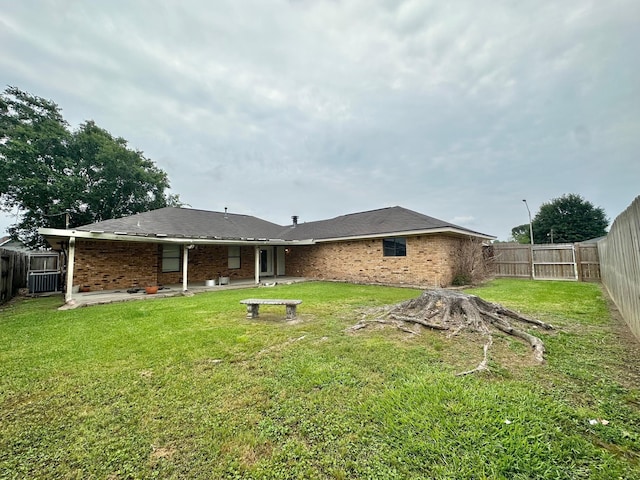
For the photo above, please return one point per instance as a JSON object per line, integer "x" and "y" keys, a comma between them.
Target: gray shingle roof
{"x": 191, "y": 223}
{"x": 374, "y": 222}
{"x": 187, "y": 222}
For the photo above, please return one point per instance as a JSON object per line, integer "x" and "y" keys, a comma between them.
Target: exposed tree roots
{"x": 456, "y": 312}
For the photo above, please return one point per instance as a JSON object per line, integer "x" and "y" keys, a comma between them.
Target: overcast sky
{"x": 456, "y": 109}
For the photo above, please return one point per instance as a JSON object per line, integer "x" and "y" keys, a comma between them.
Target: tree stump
{"x": 454, "y": 312}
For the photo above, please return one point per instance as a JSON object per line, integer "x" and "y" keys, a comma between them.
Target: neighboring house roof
{"x": 186, "y": 222}
{"x": 384, "y": 221}
{"x": 593, "y": 240}
{"x": 16, "y": 245}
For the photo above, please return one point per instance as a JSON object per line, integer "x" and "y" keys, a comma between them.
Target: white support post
{"x": 70, "y": 261}
{"x": 575, "y": 262}
{"x": 185, "y": 263}
{"x": 257, "y": 265}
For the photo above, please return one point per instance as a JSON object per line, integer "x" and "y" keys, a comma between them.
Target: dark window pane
{"x": 234, "y": 257}
{"x": 389, "y": 247}
{"x": 394, "y": 247}
{"x": 401, "y": 247}
{"x": 171, "y": 258}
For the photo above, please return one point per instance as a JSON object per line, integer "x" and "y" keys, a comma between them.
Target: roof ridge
{"x": 206, "y": 211}
{"x": 370, "y": 211}
{"x": 186, "y": 209}
{"x": 354, "y": 213}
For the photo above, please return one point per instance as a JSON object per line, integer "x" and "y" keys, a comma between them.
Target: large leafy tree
{"x": 48, "y": 170}
{"x": 569, "y": 218}
{"x": 111, "y": 179}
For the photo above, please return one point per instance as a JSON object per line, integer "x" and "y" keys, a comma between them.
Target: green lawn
{"x": 187, "y": 387}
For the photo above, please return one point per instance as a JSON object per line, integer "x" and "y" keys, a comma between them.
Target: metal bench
{"x": 253, "y": 305}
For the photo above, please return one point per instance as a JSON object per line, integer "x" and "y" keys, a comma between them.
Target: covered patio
{"x": 103, "y": 266}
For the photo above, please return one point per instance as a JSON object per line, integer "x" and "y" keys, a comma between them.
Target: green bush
{"x": 461, "y": 279}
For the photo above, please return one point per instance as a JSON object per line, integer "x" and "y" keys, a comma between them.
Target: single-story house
{"x": 182, "y": 245}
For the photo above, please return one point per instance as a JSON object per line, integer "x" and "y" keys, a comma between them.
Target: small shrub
{"x": 461, "y": 279}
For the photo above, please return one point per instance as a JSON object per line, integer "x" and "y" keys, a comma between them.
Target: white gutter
{"x": 408, "y": 233}
{"x": 163, "y": 238}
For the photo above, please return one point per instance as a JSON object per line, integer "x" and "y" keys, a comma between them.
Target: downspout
{"x": 68, "y": 295}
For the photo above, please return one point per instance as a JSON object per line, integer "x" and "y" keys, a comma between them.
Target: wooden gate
{"x": 565, "y": 261}
{"x": 554, "y": 262}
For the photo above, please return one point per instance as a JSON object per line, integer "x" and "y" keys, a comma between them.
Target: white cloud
{"x": 463, "y": 220}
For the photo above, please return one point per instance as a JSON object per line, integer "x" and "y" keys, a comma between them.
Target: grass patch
{"x": 190, "y": 388}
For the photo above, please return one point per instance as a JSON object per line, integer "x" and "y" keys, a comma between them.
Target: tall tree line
{"x": 48, "y": 170}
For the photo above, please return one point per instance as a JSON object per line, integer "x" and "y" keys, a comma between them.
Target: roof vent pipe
{"x": 225, "y": 213}
{"x": 294, "y": 218}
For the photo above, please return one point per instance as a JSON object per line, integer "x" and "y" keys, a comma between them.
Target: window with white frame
{"x": 170, "y": 258}
{"x": 394, "y": 247}
{"x": 233, "y": 257}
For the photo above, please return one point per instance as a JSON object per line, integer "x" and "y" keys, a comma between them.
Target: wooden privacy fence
{"x": 566, "y": 261}
{"x": 620, "y": 255}
{"x": 13, "y": 273}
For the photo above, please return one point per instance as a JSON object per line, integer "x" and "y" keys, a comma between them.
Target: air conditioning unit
{"x": 43, "y": 282}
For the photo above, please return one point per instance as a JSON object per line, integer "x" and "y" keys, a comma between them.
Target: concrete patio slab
{"x": 84, "y": 299}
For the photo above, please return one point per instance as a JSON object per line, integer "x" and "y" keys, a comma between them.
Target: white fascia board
{"x": 162, "y": 238}
{"x": 409, "y": 233}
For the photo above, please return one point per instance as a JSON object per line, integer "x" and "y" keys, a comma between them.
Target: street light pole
{"x": 530, "y": 224}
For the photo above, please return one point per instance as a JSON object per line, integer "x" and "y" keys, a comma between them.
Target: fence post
{"x": 578, "y": 260}
{"x": 12, "y": 271}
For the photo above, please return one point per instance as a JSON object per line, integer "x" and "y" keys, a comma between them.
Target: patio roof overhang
{"x": 58, "y": 237}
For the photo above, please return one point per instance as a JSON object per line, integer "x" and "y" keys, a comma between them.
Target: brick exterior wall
{"x": 109, "y": 265}
{"x": 209, "y": 262}
{"x": 114, "y": 265}
{"x": 431, "y": 260}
